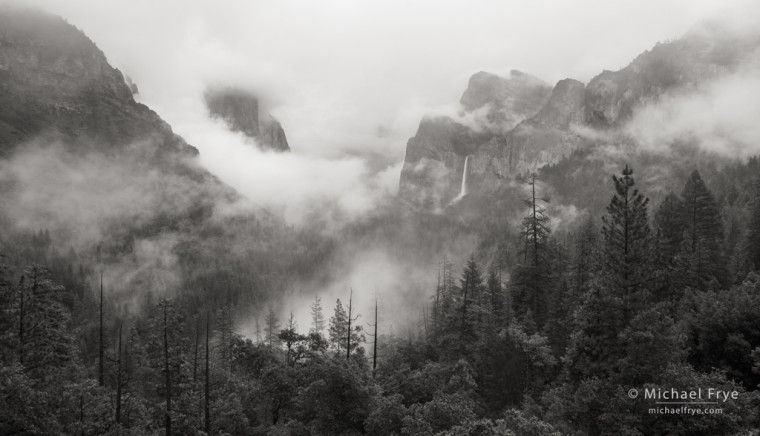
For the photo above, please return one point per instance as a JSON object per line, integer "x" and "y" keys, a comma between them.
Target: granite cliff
{"x": 241, "y": 111}
{"x": 544, "y": 129}
{"x": 490, "y": 107}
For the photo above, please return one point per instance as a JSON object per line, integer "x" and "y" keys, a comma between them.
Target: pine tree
{"x": 338, "y": 330}
{"x": 207, "y": 382}
{"x": 41, "y": 323}
{"x": 443, "y": 300}
{"x": 101, "y": 348}
{"x": 338, "y": 327}
{"x": 317, "y": 316}
{"x": 752, "y": 244}
{"x": 470, "y": 310}
{"x": 271, "y": 327}
{"x": 119, "y": 378}
{"x": 703, "y": 242}
{"x": 584, "y": 260}
{"x": 627, "y": 246}
{"x": 224, "y": 327}
{"x": 669, "y": 222}
{"x": 497, "y": 307}
{"x": 167, "y": 372}
{"x": 532, "y": 278}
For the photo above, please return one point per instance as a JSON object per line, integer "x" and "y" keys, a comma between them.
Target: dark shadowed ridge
{"x": 241, "y": 111}
{"x": 54, "y": 81}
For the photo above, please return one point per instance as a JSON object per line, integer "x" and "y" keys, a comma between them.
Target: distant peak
{"x": 240, "y": 110}
{"x": 508, "y": 100}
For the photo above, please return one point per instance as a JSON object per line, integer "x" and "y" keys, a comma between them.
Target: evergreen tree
{"x": 40, "y": 323}
{"x": 471, "y": 291}
{"x": 498, "y": 315}
{"x": 627, "y": 246}
{"x": 317, "y": 316}
{"x": 271, "y": 327}
{"x": 669, "y": 222}
{"x": 532, "y": 277}
{"x": 167, "y": 354}
{"x": 443, "y": 300}
{"x": 338, "y": 330}
{"x": 225, "y": 332}
{"x": 585, "y": 263}
{"x": 752, "y": 244}
{"x": 618, "y": 293}
{"x": 338, "y": 327}
{"x": 703, "y": 242}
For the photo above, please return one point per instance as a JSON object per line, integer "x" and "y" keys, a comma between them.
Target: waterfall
{"x": 463, "y": 190}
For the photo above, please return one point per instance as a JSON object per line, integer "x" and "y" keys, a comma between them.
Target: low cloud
{"x": 720, "y": 116}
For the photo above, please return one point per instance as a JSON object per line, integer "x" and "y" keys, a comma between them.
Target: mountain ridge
{"x": 551, "y": 134}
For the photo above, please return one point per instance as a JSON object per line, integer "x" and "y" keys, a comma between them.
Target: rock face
{"x": 543, "y": 139}
{"x": 518, "y": 137}
{"x": 435, "y": 156}
{"x": 54, "y": 81}
{"x": 240, "y": 111}
{"x": 706, "y": 52}
{"x": 507, "y": 100}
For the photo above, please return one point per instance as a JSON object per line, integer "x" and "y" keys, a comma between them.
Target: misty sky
{"x": 335, "y": 71}
{"x": 350, "y": 80}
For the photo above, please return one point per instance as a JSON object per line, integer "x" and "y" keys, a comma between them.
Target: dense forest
{"x": 573, "y": 277}
{"x": 633, "y": 299}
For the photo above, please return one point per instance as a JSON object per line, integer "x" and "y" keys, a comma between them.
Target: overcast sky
{"x": 338, "y": 73}
{"x": 334, "y": 71}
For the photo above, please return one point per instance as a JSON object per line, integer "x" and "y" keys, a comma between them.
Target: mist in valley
{"x": 486, "y": 291}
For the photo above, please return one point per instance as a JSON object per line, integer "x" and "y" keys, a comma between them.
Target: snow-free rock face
{"x": 706, "y": 52}
{"x": 490, "y": 106}
{"x": 241, "y": 112}
{"x": 54, "y": 81}
{"x": 543, "y": 139}
{"x": 435, "y": 156}
{"x": 549, "y": 133}
{"x": 508, "y": 100}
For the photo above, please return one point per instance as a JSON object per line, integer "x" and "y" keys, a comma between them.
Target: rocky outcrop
{"x": 241, "y": 112}
{"x": 431, "y": 175}
{"x": 543, "y": 139}
{"x": 490, "y": 106}
{"x": 508, "y": 100}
